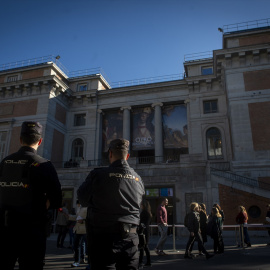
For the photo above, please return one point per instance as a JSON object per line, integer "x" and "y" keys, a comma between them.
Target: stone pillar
{"x": 98, "y": 150}
{"x": 187, "y": 103}
{"x": 158, "y": 133}
{"x": 126, "y": 122}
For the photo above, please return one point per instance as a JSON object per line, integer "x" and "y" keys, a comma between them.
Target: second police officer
{"x": 113, "y": 196}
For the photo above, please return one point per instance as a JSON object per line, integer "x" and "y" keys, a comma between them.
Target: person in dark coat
{"x": 203, "y": 224}
{"x": 29, "y": 187}
{"x": 221, "y": 212}
{"x": 113, "y": 195}
{"x": 195, "y": 232}
{"x": 145, "y": 218}
{"x": 216, "y": 231}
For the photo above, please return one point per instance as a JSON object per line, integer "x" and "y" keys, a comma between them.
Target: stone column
{"x": 158, "y": 132}
{"x": 98, "y": 142}
{"x": 187, "y": 103}
{"x": 126, "y": 122}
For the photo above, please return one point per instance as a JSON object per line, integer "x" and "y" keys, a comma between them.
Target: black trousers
{"x": 27, "y": 245}
{"x": 218, "y": 243}
{"x": 109, "y": 251}
{"x": 61, "y": 235}
{"x": 147, "y": 253}
{"x": 197, "y": 236}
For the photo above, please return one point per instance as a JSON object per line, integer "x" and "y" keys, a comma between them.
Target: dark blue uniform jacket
{"x": 27, "y": 181}
{"x": 112, "y": 194}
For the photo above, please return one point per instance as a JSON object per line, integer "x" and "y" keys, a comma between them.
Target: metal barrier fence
{"x": 239, "y": 230}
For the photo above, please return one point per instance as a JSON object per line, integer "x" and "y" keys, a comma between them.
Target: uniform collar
{"x": 119, "y": 163}
{"x": 27, "y": 149}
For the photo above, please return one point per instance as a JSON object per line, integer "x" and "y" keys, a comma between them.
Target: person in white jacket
{"x": 80, "y": 235}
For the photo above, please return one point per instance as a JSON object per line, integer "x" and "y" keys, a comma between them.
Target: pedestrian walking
{"x": 221, "y": 212}
{"x": 162, "y": 226}
{"x": 145, "y": 218}
{"x": 203, "y": 224}
{"x": 62, "y": 225}
{"x": 80, "y": 235}
{"x": 70, "y": 225}
{"x": 113, "y": 195}
{"x": 242, "y": 219}
{"x": 216, "y": 230}
{"x": 193, "y": 225}
{"x": 29, "y": 186}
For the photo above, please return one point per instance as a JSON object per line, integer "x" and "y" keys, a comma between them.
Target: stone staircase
{"x": 231, "y": 179}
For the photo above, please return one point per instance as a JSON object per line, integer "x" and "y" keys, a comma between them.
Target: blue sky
{"x": 128, "y": 39}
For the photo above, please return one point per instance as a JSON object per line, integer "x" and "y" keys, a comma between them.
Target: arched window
{"x": 214, "y": 143}
{"x": 77, "y": 149}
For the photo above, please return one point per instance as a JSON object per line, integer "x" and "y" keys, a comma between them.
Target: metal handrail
{"x": 28, "y": 62}
{"x": 240, "y": 179}
{"x": 198, "y": 56}
{"x": 246, "y": 25}
{"x": 238, "y": 229}
{"x": 87, "y": 72}
{"x": 149, "y": 80}
{"x": 105, "y": 162}
{"x": 51, "y": 59}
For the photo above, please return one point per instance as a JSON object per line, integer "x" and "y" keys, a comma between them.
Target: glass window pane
{"x": 79, "y": 119}
{"x": 207, "y": 70}
{"x": 214, "y": 143}
{"x": 207, "y": 107}
{"x": 214, "y": 106}
{"x": 210, "y": 106}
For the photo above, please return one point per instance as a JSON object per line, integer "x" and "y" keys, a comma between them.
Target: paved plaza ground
{"x": 255, "y": 258}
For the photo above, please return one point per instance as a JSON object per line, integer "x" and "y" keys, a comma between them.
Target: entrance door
{"x": 67, "y": 194}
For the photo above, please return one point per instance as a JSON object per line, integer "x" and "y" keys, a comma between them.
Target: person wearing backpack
{"x": 193, "y": 225}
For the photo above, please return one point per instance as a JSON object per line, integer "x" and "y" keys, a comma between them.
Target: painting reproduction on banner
{"x": 112, "y": 128}
{"x": 143, "y": 135}
{"x": 175, "y": 129}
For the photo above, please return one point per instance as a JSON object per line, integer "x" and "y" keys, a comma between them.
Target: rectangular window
{"x": 207, "y": 70}
{"x": 13, "y": 78}
{"x": 82, "y": 87}
{"x": 79, "y": 119}
{"x": 210, "y": 106}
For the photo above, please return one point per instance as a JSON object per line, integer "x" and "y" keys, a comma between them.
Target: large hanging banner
{"x": 175, "y": 126}
{"x": 112, "y": 127}
{"x": 143, "y": 129}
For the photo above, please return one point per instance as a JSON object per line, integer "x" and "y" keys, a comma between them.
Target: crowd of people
{"x": 200, "y": 225}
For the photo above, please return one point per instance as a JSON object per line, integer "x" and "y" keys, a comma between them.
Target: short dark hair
{"x": 119, "y": 153}
{"x": 30, "y": 139}
{"x": 163, "y": 199}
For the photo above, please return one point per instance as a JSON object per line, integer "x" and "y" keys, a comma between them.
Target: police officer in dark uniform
{"x": 29, "y": 186}
{"x": 113, "y": 196}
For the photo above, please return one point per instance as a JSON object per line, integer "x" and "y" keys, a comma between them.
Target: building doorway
{"x": 67, "y": 195}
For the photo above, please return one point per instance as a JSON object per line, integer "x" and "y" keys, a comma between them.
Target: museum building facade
{"x": 201, "y": 136}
